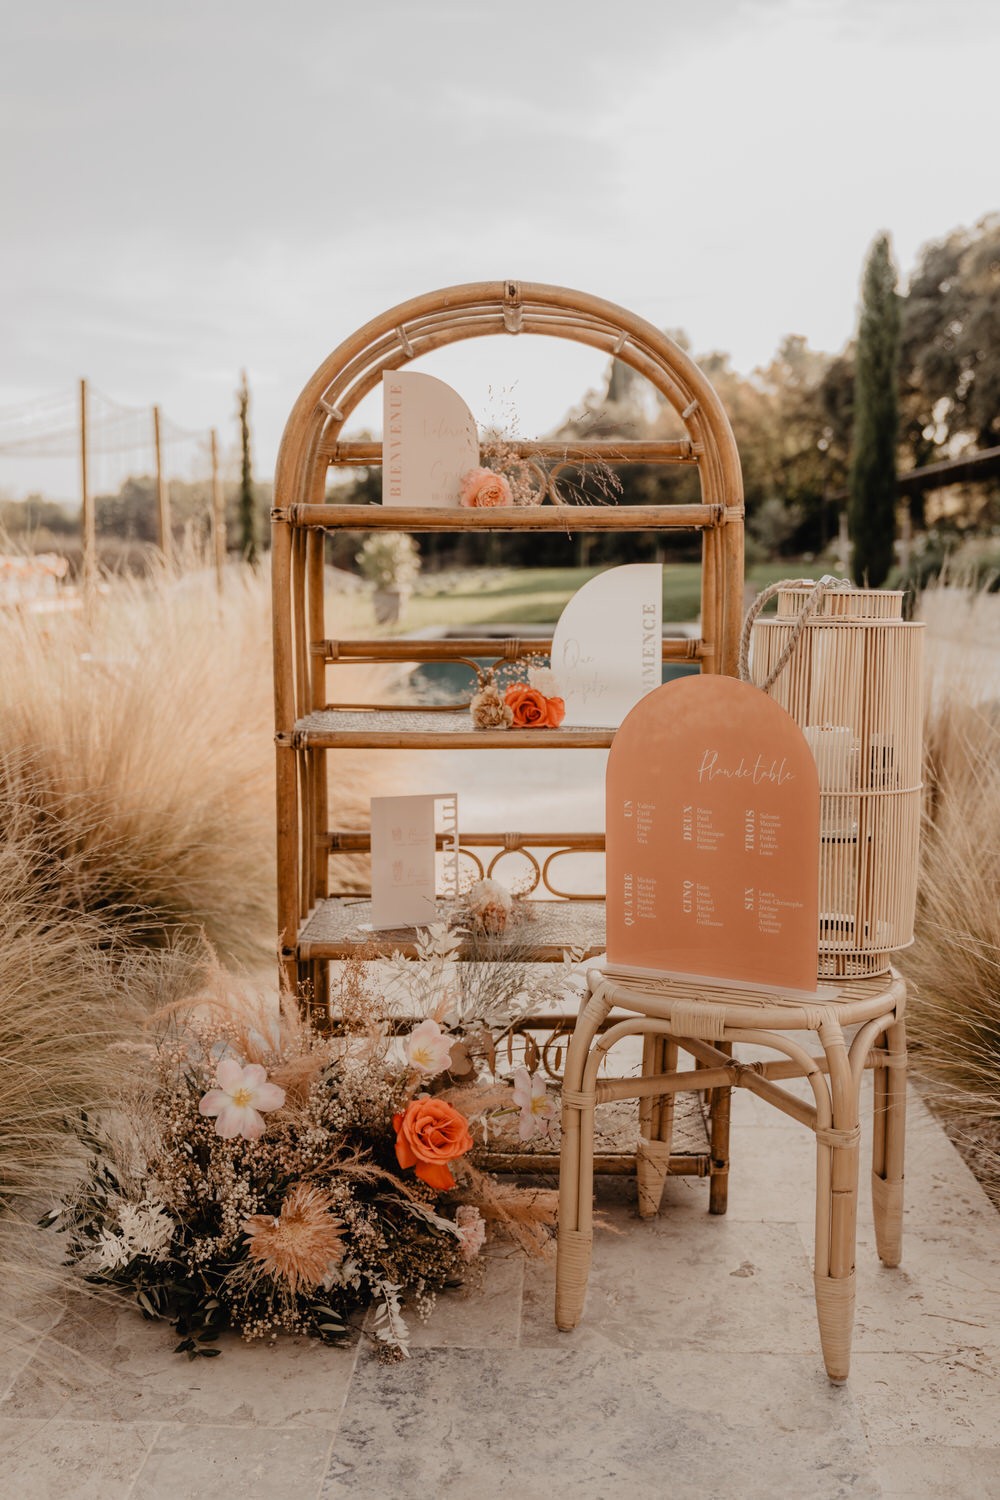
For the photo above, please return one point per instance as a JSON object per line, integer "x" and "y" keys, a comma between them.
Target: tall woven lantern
{"x": 853, "y": 681}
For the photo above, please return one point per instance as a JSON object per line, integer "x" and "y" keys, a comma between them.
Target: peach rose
{"x": 481, "y": 487}
{"x": 429, "y": 1134}
{"x": 532, "y": 710}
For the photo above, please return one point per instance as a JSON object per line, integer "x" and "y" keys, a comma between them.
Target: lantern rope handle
{"x": 819, "y": 589}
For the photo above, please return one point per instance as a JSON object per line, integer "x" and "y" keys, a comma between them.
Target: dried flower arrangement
{"x": 531, "y": 704}
{"x": 263, "y": 1177}
{"x": 508, "y": 477}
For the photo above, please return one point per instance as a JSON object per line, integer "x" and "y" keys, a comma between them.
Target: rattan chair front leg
{"x": 720, "y": 1109}
{"x": 656, "y": 1124}
{"x": 576, "y": 1167}
{"x": 837, "y": 1153}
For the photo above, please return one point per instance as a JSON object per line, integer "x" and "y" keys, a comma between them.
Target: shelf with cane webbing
{"x": 430, "y": 729}
{"x": 340, "y": 927}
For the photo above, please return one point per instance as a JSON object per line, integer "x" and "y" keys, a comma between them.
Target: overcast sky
{"x": 191, "y": 188}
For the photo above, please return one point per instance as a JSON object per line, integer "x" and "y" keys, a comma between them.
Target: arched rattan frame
{"x": 312, "y": 442}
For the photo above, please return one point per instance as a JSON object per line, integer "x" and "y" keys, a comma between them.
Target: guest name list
{"x": 713, "y": 838}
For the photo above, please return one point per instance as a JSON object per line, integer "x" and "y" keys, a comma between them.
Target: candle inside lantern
{"x": 832, "y": 745}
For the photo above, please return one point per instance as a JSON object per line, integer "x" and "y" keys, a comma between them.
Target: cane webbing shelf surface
{"x": 341, "y": 927}
{"x": 424, "y": 729}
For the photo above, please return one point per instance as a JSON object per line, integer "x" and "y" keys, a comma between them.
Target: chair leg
{"x": 719, "y": 1108}
{"x": 656, "y": 1125}
{"x": 889, "y": 1145}
{"x": 837, "y": 1153}
{"x": 576, "y": 1171}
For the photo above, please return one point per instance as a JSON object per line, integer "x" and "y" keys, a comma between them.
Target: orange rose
{"x": 532, "y": 710}
{"x": 481, "y": 487}
{"x": 430, "y": 1133}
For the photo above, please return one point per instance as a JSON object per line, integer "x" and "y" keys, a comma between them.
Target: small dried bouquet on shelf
{"x": 506, "y": 699}
{"x": 509, "y": 476}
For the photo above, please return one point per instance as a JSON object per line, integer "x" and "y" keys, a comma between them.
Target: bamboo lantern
{"x": 853, "y": 681}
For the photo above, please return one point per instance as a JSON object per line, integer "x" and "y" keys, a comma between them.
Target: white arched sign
{"x": 607, "y": 646}
{"x": 429, "y": 440}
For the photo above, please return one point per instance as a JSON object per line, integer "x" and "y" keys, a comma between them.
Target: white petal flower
{"x": 428, "y": 1048}
{"x": 241, "y": 1099}
{"x": 543, "y": 679}
{"x": 538, "y": 1110}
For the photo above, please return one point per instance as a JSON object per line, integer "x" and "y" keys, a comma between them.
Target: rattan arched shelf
{"x": 314, "y": 926}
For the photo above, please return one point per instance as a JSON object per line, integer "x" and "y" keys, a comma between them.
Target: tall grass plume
{"x": 137, "y": 747}
{"x": 954, "y": 964}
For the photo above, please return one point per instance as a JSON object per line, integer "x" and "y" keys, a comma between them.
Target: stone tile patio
{"x": 696, "y": 1371}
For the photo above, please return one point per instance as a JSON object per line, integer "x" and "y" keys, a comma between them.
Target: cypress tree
{"x": 871, "y": 506}
{"x": 248, "y": 525}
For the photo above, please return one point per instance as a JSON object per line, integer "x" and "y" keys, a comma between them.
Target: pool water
{"x": 440, "y": 682}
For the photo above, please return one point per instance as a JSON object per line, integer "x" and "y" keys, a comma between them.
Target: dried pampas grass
{"x": 137, "y": 744}
{"x": 954, "y": 964}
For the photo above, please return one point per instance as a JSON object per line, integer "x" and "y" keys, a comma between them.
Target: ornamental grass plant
{"x": 70, "y": 996}
{"x": 136, "y": 747}
{"x": 954, "y": 964}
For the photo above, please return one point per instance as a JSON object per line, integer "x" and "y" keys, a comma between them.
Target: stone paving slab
{"x": 596, "y": 1424}
{"x": 695, "y": 1371}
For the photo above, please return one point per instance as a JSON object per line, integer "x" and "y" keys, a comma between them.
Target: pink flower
{"x": 537, "y": 1109}
{"x": 471, "y": 1228}
{"x": 481, "y": 487}
{"x": 242, "y": 1098}
{"x": 428, "y": 1049}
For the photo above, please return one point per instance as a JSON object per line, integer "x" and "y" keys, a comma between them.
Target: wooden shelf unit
{"x": 317, "y": 925}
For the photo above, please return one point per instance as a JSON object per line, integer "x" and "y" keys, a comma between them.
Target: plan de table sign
{"x": 713, "y": 838}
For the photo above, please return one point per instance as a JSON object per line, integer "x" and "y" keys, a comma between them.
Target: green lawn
{"x": 536, "y": 596}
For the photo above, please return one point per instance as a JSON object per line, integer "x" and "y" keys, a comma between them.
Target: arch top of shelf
{"x": 435, "y": 320}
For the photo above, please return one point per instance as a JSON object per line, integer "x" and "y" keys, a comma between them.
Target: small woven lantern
{"x": 853, "y": 681}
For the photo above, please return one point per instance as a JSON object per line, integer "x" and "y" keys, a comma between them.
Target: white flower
{"x": 145, "y": 1230}
{"x": 543, "y": 679}
{"x": 428, "y": 1049}
{"x": 112, "y": 1252}
{"x": 471, "y": 1228}
{"x": 241, "y": 1094}
{"x": 146, "y": 1226}
{"x": 347, "y": 1273}
{"x": 537, "y": 1109}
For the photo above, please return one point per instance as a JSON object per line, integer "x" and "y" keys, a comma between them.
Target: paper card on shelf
{"x": 607, "y": 646}
{"x": 713, "y": 839}
{"x": 404, "y": 834}
{"x": 429, "y": 440}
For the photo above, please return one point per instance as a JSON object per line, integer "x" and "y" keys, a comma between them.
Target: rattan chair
{"x": 704, "y": 1022}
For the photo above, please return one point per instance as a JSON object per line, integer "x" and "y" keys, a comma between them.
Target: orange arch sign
{"x": 713, "y": 838}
